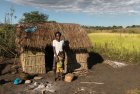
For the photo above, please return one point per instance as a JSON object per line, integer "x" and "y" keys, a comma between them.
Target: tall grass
{"x": 7, "y": 40}
{"x": 117, "y": 46}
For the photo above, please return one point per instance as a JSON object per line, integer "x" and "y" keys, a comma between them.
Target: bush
{"x": 7, "y": 39}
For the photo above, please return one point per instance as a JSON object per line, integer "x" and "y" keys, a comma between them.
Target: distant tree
{"x": 128, "y": 27}
{"x": 34, "y": 17}
{"x": 114, "y": 27}
{"x": 133, "y": 26}
{"x": 120, "y": 27}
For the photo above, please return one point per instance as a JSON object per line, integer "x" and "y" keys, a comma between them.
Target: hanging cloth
{"x": 31, "y": 29}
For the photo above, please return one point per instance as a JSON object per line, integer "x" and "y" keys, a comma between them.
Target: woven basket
{"x": 69, "y": 77}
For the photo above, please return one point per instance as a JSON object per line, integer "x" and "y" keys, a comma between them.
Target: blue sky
{"x": 84, "y": 12}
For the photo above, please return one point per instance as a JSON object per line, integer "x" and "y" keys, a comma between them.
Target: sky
{"x": 84, "y": 12}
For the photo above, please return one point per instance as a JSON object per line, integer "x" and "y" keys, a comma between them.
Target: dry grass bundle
{"x": 73, "y": 33}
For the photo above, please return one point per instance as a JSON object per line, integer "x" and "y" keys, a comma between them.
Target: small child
{"x": 59, "y": 65}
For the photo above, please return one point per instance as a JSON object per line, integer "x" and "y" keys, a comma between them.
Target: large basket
{"x": 33, "y": 63}
{"x": 69, "y": 77}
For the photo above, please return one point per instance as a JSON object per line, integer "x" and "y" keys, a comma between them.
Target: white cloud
{"x": 87, "y": 6}
{"x": 133, "y": 12}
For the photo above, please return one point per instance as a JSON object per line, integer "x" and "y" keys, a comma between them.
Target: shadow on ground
{"x": 2, "y": 81}
{"x": 94, "y": 58}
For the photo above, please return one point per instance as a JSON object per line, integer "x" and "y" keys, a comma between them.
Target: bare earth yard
{"x": 104, "y": 80}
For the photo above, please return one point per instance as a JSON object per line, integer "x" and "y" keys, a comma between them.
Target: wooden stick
{"x": 91, "y": 83}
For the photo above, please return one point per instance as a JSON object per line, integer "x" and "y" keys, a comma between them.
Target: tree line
{"x": 103, "y": 27}
{"x": 109, "y": 27}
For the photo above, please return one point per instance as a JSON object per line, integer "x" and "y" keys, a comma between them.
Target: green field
{"x": 117, "y": 46}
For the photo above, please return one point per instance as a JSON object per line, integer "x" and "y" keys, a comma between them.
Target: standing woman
{"x": 58, "y": 46}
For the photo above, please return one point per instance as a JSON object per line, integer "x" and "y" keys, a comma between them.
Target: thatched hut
{"x": 36, "y": 52}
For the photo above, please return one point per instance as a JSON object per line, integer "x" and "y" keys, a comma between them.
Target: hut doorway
{"x": 49, "y": 58}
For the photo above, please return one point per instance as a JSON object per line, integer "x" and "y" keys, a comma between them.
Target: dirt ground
{"x": 104, "y": 80}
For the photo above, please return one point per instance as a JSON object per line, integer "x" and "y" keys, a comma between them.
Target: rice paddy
{"x": 117, "y": 46}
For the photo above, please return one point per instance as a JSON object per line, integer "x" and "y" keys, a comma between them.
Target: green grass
{"x": 117, "y": 46}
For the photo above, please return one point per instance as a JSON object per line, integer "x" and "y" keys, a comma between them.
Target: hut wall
{"x": 33, "y": 63}
{"x": 77, "y": 61}
{"x": 82, "y": 60}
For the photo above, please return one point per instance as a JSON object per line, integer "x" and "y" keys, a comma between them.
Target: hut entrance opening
{"x": 49, "y": 58}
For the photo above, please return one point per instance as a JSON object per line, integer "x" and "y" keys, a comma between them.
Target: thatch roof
{"x": 44, "y": 35}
